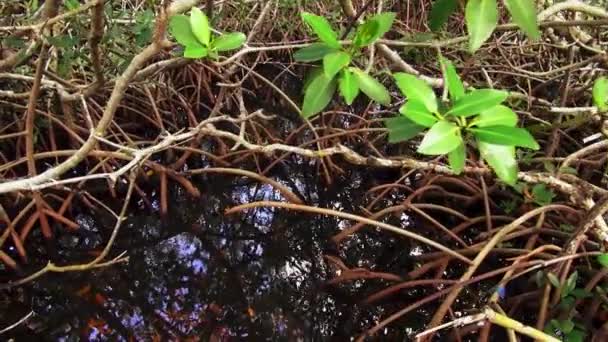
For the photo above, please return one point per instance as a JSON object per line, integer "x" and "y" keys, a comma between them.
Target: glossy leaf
{"x": 481, "y": 17}
{"x": 523, "y": 13}
{"x": 417, "y": 112}
{"x": 600, "y": 93}
{"x": 440, "y": 12}
{"x": 417, "y": 90}
{"x": 179, "y": 26}
{"x": 312, "y": 53}
{"x": 348, "y": 85}
{"x": 229, "y": 41}
{"x": 505, "y": 135}
{"x": 401, "y": 129}
{"x": 318, "y": 94}
{"x": 194, "y": 52}
{"x": 372, "y": 88}
{"x": 321, "y": 27}
{"x": 603, "y": 259}
{"x": 477, "y": 101}
{"x": 334, "y": 62}
{"x": 501, "y": 159}
{"x": 452, "y": 80}
{"x": 457, "y": 158}
{"x": 442, "y": 138}
{"x": 496, "y": 116}
{"x": 199, "y": 23}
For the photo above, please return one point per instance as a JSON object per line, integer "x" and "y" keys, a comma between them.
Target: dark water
{"x": 201, "y": 275}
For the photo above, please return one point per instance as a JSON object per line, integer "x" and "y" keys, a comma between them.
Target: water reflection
{"x": 204, "y": 276}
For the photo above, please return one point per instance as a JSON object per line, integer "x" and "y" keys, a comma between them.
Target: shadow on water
{"x": 260, "y": 275}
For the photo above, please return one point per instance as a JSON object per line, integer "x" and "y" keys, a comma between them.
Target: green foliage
{"x": 600, "y": 94}
{"x": 567, "y": 328}
{"x": 542, "y": 195}
{"x": 441, "y": 11}
{"x": 337, "y": 62}
{"x": 492, "y": 124}
{"x": 481, "y": 17}
{"x": 603, "y": 259}
{"x": 523, "y": 13}
{"x": 194, "y": 34}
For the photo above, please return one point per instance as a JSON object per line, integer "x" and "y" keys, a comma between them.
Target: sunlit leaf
{"x": 348, "y": 85}
{"x": 191, "y": 51}
{"x": 457, "y": 158}
{"x": 371, "y": 87}
{"x": 600, "y": 93}
{"x": 452, "y": 80}
{"x": 229, "y": 41}
{"x": 603, "y": 259}
{"x": 199, "y": 23}
{"x": 416, "y": 89}
{"x": 417, "y": 112}
{"x": 442, "y": 138}
{"x": 505, "y": 135}
{"x": 179, "y": 26}
{"x": 477, "y": 101}
{"x": 373, "y": 28}
{"x": 321, "y": 27}
{"x": 523, "y": 13}
{"x": 334, "y": 62}
{"x": 481, "y": 17}
{"x": 501, "y": 159}
{"x": 496, "y": 116}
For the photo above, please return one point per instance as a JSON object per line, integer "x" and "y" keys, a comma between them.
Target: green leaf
{"x": 372, "y": 88}
{"x": 417, "y": 90}
{"x": 348, "y": 85}
{"x": 442, "y": 138}
{"x": 600, "y": 93}
{"x": 553, "y": 280}
{"x": 505, "y": 135}
{"x": 603, "y": 259}
{"x": 194, "y": 52}
{"x": 454, "y": 84}
{"x": 477, "y": 101}
{"x": 229, "y": 41}
{"x": 321, "y": 27}
{"x": 199, "y": 23}
{"x": 373, "y": 28}
{"x": 523, "y": 13}
{"x": 501, "y": 159}
{"x": 481, "y": 17}
{"x": 542, "y": 195}
{"x": 318, "y": 94}
{"x": 566, "y": 326}
{"x": 440, "y": 12}
{"x": 496, "y": 116}
{"x": 334, "y": 62}
{"x": 179, "y": 26}
{"x": 417, "y": 112}
{"x": 312, "y": 53}
{"x": 576, "y": 336}
{"x": 401, "y": 129}
{"x": 366, "y": 33}
{"x": 457, "y": 158}
{"x": 385, "y": 21}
